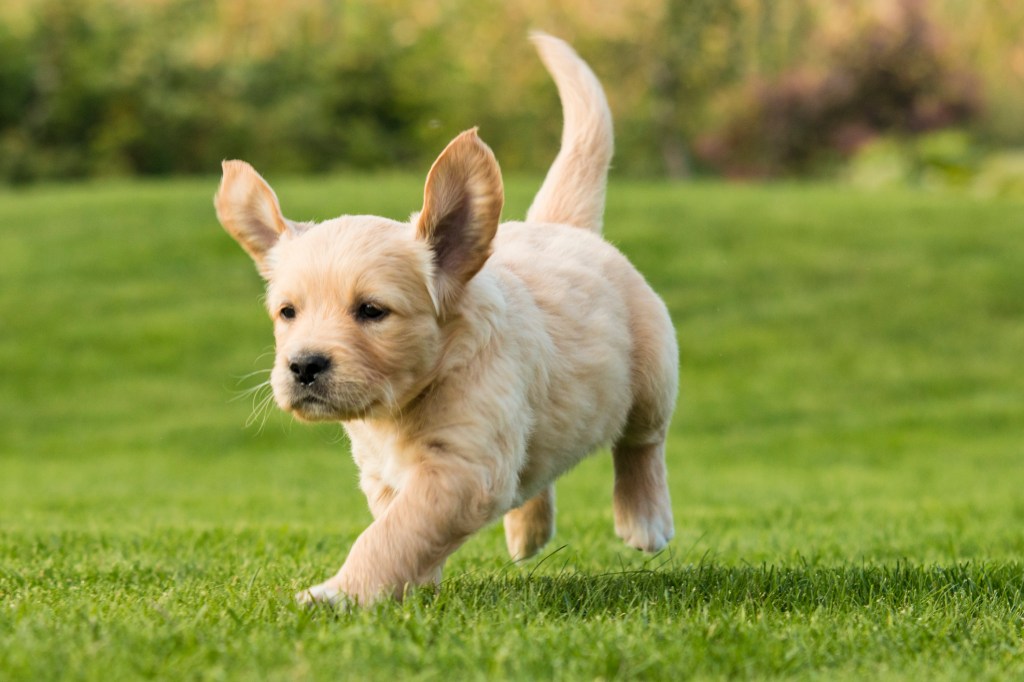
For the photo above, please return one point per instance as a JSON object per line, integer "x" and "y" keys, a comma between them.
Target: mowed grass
{"x": 846, "y": 462}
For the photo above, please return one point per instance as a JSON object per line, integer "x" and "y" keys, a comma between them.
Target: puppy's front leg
{"x": 428, "y": 519}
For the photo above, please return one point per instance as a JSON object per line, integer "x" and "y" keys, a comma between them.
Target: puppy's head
{"x": 359, "y": 303}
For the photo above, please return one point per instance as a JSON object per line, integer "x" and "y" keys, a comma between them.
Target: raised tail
{"x": 573, "y": 191}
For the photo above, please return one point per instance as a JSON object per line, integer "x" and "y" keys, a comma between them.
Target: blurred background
{"x": 878, "y": 92}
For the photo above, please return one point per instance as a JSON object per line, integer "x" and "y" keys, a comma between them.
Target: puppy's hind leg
{"x": 643, "y": 510}
{"x": 530, "y": 526}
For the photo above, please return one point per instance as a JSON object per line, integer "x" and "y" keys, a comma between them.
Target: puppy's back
{"x": 607, "y": 337}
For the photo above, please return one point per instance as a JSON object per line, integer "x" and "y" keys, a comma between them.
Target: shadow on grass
{"x": 968, "y": 588}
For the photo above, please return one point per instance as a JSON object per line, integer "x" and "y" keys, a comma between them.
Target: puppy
{"x": 471, "y": 363}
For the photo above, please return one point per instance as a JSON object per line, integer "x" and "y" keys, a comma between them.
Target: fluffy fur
{"x": 470, "y": 363}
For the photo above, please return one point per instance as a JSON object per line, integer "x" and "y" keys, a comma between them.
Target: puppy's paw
{"x": 529, "y": 527}
{"x": 649, "y": 533}
{"x": 523, "y": 543}
{"x": 326, "y": 593}
{"x": 641, "y": 502}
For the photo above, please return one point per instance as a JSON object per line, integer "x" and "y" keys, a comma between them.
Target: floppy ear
{"x": 248, "y": 210}
{"x": 462, "y": 203}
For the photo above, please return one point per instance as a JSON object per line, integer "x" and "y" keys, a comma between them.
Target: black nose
{"x": 305, "y": 368}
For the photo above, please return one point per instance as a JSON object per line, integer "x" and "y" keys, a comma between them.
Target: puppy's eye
{"x": 371, "y": 312}
{"x": 287, "y": 312}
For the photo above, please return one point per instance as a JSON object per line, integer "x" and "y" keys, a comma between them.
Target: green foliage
{"x": 117, "y": 87}
{"x": 696, "y": 49}
{"x": 945, "y": 160}
{"x": 1001, "y": 174}
{"x": 845, "y": 461}
{"x": 102, "y": 89}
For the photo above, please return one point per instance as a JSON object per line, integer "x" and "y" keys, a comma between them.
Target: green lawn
{"x": 847, "y": 461}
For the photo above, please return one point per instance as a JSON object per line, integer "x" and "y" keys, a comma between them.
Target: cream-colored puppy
{"x": 470, "y": 363}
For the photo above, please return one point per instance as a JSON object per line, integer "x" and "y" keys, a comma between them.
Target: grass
{"x": 846, "y": 462}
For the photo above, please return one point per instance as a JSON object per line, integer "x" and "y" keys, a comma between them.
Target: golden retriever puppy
{"x": 471, "y": 363}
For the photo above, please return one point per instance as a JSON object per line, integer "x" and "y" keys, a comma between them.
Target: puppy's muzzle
{"x": 307, "y": 367}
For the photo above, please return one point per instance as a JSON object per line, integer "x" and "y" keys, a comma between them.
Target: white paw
{"x": 324, "y": 593}
{"x": 649, "y": 535}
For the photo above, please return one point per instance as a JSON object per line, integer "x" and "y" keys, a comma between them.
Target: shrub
{"x": 892, "y": 75}
{"x": 96, "y": 87}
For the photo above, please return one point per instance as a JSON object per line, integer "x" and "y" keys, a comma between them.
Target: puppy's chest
{"x": 383, "y": 455}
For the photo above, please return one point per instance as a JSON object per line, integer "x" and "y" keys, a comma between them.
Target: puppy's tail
{"x": 573, "y": 191}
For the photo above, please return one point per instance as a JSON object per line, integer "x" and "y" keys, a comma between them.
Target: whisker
{"x": 261, "y": 407}
{"x": 246, "y": 392}
{"x": 268, "y": 352}
{"x": 249, "y": 375}
{"x": 249, "y": 391}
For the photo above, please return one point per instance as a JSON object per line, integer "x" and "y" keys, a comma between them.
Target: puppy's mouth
{"x": 311, "y": 402}
{"x": 310, "y": 406}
